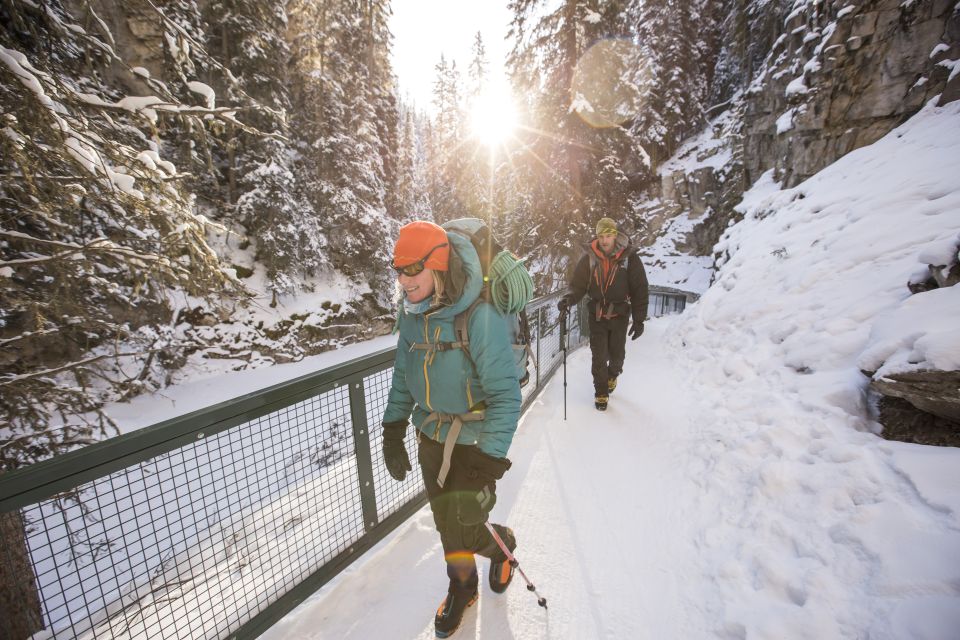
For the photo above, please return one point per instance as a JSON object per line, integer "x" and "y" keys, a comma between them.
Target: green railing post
{"x": 361, "y": 446}
{"x": 539, "y": 332}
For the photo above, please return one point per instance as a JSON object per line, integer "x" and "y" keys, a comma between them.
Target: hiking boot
{"x": 611, "y": 384}
{"x": 601, "y": 402}
{"x": 450, "y": 614}
{"x": 501, "y": 569}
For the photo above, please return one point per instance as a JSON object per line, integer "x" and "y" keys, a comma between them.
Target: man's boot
{"x": 601, "y": 402}
{"x": 501, "y": 571}
{"x": 611, "y": 384}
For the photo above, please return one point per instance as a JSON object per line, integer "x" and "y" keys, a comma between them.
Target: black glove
{"x": 394, "y": 452}
{"x": 564, "y": 305}
{"x": 636, "y": 330}
{"x": 475, "y": 484}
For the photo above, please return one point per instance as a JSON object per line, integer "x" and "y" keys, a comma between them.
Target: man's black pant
{"x": 459, "y": 541}
{"x": 608, "y": 343}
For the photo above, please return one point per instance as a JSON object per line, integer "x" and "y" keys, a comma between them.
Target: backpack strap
{"x": 461, "y": 333}
{"x": 456, "y": 421}
{"x": 461, "y": 324}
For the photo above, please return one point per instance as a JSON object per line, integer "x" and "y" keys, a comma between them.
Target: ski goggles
{"x": 418, "y": 266}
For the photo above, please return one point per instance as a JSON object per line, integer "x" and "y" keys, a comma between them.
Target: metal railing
{"x": 217, "y": 523}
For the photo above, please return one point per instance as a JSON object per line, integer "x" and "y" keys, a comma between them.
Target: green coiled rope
{"x": 511, "y": 287}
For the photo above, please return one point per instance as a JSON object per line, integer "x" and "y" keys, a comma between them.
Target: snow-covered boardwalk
{"x": 599, "y": 504}
{"x": 645, "y": 522}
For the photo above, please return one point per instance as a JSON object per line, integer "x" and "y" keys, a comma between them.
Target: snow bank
{"x": 811, "y": 525}
{"x": 922, "y": 333}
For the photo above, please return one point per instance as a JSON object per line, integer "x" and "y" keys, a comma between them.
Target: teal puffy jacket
{"x": 427, "y": 381}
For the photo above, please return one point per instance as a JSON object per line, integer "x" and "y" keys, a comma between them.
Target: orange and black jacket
{"x": 615, "y": 284}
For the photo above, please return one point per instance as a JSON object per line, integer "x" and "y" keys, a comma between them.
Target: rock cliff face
{"x": 842, "y": 75}
{"x": 816, "y": 80}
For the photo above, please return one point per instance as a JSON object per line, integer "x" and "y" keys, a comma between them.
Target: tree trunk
{"x": 19, "y": 600}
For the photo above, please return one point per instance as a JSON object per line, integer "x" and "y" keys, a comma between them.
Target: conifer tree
{"x": 409, "y": 195}
{"x": 262, "y": 184}
{"x": 446, "y": 158}
{"x": 560, "y": 158}
{"x": 345, "y": 90}
{"x": 672, "y": 77}
{"x": 97, "y": 229}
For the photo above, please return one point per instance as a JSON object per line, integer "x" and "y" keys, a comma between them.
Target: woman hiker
{"x": 465, "y": 408}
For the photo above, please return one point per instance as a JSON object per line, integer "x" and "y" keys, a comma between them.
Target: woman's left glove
{"x": 475, "y": 486}
{"x": 394, "y": 452}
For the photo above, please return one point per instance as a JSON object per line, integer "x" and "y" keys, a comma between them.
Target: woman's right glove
{"x": 394, "y": 452}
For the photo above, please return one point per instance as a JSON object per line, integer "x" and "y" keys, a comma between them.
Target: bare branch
{"x": 28, "y": 334}
{"x": 7, "y": 380}
{"x": 98, "y": 245}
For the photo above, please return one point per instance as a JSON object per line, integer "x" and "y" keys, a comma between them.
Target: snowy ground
{"x": 645, "y": 522}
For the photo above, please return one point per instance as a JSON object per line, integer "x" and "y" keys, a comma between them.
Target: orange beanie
{"x": 416, "y": 240}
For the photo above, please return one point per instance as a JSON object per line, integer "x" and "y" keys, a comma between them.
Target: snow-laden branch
{"x": 211, "y": 60}
{"x": 12, "y": 379}
{"x": 70, "y": 248}
{"x": 27, "y": 334}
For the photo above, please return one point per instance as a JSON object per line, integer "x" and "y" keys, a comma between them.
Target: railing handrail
{"x": 21, "y": 487}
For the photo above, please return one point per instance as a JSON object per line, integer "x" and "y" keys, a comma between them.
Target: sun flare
{"x": 493, "y": 118}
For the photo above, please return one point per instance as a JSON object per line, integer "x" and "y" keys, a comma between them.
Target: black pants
{"x": 460, "y": 542}
{"x": 608, "y": 343}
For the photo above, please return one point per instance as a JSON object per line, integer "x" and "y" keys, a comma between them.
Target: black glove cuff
{"x": 395, "y": 430}
{"x": 482, "y": 465}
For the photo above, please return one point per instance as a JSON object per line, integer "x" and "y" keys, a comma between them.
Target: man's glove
{"x": 475, "y": 485}
{"x": 394, "y": 452}
{"x": 563, "y": 305}
{"x": 636, "y": 330}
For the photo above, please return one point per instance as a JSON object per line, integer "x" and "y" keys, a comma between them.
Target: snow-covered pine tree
{"x": 561, "y": 152}
{"x": 344, "y": 89}
{"x": 477, "y": 185}
{"x": 409, "y": 198}
{"x": 382, "y": 90}
{"x": 446, "y": 162}
{"x": 262, "y": 186}
{"x": 96, "y": 227}
{"x": 672, "y": 74}
{"x": 477, "y": 72}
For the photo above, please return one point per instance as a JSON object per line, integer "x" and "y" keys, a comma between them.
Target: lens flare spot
{"x": 609, "y": 83}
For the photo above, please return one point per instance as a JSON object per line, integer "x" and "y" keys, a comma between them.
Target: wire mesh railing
{"x": 217, "y": 523}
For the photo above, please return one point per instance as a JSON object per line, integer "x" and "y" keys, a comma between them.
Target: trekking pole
{"x": 563, "y": 345}
{"x": 516, "y": 565}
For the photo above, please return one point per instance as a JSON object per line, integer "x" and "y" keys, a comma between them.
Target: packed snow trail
{"x": 600, "y": 504}
{"x": 705, "y": 503}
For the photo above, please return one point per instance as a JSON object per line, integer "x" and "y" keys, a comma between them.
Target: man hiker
{"x": 465, "y": 405}
{"x": 611, "y": 274}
